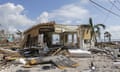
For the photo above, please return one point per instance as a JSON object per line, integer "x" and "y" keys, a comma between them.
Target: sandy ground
{"x": 102, "y": 63}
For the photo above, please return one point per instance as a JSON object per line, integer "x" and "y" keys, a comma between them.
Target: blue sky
{"x": 22, "y": 14}
{"x": 35, "y": 7}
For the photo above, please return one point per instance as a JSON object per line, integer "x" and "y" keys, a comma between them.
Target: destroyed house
{"x": 55, "y": 35}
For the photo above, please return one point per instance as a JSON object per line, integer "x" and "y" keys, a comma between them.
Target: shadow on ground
{"x": 23, "y": 71}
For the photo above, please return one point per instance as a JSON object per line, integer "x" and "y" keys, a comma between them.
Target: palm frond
{"x": 18, "y": 32}
{"x": 97, "y": 28}
{"x": 100, "y": 25}
{"x": 98, "y": 34}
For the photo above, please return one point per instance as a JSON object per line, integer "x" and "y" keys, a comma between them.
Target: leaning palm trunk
{"x": 94, "y": 28}
{"x": 109, "y": 38}
{"x": 93, "y": 41}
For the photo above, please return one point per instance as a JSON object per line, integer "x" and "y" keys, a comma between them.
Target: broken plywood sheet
{"x": 60, "y": 61}
{"x": 63, "y": 62}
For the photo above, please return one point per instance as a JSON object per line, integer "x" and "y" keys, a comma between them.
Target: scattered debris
{"x": 58, "y": 45}
{"x": 60, "y": 61}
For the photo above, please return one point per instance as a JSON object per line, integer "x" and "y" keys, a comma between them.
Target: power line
{"x": 103, "y": 12}
{"x": 97, "y": 8}
{"x": 105, "y": 8}
{"x": 118, "y": 1}
{"x": 107, "y": 16}
{"x": 114, "y": 5}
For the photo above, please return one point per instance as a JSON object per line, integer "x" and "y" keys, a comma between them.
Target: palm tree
{"x": 20, "y": 34}
{"x": 95, "y": 30}
{"x": 108, "y": 36}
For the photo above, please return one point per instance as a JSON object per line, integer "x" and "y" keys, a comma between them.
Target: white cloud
{"x": 43, "y": 18}
{"x": 71, "y": 13}
{"x": 66, "y": 22}
{"x": 84, "y": 1}
{"x": 12, "y": 16}
{"x": 115, "y": 31}
{"x": 12, "y": 29}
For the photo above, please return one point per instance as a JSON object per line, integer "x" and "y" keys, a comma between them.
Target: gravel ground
{"x": 102, "y": 63}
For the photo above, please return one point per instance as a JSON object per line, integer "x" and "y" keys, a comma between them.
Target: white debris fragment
{"x": 78, "y": 51}
{"x": 22, "y": 60}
